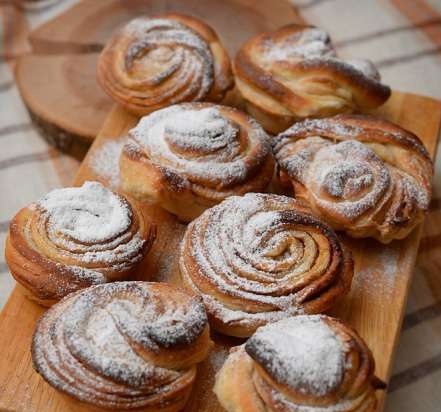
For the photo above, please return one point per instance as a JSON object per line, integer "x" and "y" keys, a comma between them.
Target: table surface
{"x": 402, "y": 37}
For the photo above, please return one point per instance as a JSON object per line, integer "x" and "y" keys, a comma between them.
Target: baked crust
{"x": 191, "y": 156}
{"x": 361, "y": 174}
{"x": 259, "y": 258}
{"x": 293, "y": 73}
{"x": 50, "y": 264}
{"x": 251, "y": 378}
{"x": 157, "y": 61}
{"x": 125, "y": 345}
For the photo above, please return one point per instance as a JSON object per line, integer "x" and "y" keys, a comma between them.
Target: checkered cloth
{"x": 403, "y": 37}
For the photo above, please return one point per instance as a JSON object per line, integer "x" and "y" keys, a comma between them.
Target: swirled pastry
{"x": 123, "y": 345}
{"x": 293, "y": 73}
{"x": 191, "y": 156}
{"x": 76, "y": 237}
{"x": 363, "y": 175}
{"x": 155, "y": 62}
{"x": 259, "y": 258}
{"x": 304, "y": 363}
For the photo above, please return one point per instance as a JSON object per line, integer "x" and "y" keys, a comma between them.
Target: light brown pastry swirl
{"x": 300, "y": 364}
{"x": 293, "y": 73}
{"x": 124, "y": 345}
{"x": 158, "y": 61}
{"x": 363, "y": 175}
{"x": 191, "y": 156}
{"x": 259, "y": 258}
{"x": 76, "y": 237}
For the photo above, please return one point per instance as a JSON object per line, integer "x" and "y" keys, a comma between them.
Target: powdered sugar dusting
{"x": 91, "y": 233}
{"x": 366, "y": 67}
{"x": 417, "y": 193}
{"x": 301, "y": 352}
{"x": 90, "y": 213}
{"x": 201, "y": 144}
{"x": 383, "y": 270}
{"x": 351, "y": 174}
{"x": 322, "y": 126}
{"x": 305, "y": 44}
{"x": 313, "y": 44}
{"x": 349, "y": 181}
{"x": 208, "y": 121}
{"x": 91, "y": 344}
{"x": 169, "y": 45}
{"x": 217, "y": 358}
{"x": 84, "y": 274}
{"x": 255, "y": 248}
{"x": 105, "y": 161}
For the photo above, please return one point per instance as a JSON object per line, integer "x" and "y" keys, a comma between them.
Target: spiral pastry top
{"x": 191, "y": 156}
{"x": 155, "y": 62}
{"x": 123, "y": 345}
{"x": 363, "y": 175}
{"x": 259, "y": 258}
{"x": 300, "y": 364}
{"x": 293, "y": 73}
{"x": 76, "y": 237}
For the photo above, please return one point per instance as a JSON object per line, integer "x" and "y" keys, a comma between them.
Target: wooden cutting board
{"x": 374, "y": 307}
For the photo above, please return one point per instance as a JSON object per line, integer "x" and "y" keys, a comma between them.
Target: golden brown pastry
{"x": 300, "y": 364}
{"x": 154, "y": 62}
{"x": 124, "y": 345}
{"x": 293, "y": 73}
{"x": 76, "y": 237}
{"x": 191, "y": 156}
{"x": 259, "y": 258}
{"x": 363, "y": 175}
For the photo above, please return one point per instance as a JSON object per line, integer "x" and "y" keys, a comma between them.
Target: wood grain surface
{"x": 374, "y": 307}
{"x": 88, "y": 25}
{"x": 57, "y": 79}
{"x": 63, "y": 98}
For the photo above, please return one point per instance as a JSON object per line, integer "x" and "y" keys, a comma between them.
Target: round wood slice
{"x": 63, "y": 98}
{"x": 88, "y": 25}
{"x": 58, "y": 82}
